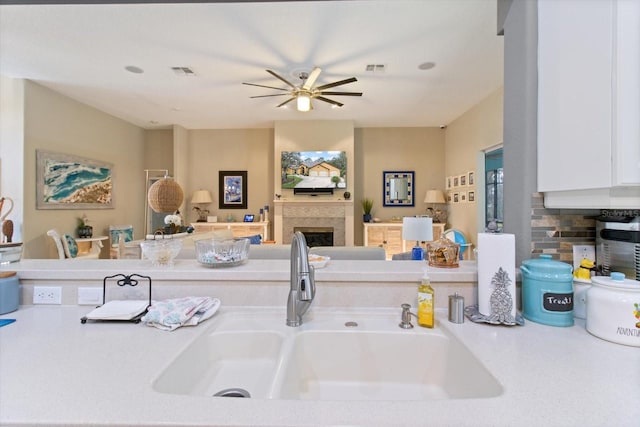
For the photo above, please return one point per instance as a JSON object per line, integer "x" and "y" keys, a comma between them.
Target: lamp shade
{"x": 303, "y": 102}
{"x": 419, "y": 229}
{"x": 434, "y": 196}
{"x": 201, "y": 196}
{"x": 165, "y": 195}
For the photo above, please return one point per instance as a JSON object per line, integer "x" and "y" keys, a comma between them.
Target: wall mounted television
{"x": 309, "y": 172}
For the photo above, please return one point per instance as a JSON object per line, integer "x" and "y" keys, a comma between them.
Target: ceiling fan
{"x": 305, "y": 92}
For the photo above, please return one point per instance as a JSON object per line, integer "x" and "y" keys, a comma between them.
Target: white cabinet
{"x": 239, "y": 229}
{"x": 388, "y": 235}
{"x": 589, "y": 103}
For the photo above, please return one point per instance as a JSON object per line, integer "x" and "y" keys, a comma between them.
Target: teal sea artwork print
{"x": 71, "y": 182}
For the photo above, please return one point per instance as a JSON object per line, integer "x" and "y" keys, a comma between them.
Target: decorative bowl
{"x": 161, "y": 252}
{"x": 222, "y": 253}
{"x": 318, "y": 261}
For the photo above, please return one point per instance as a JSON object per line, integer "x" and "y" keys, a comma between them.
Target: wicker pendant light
{"x": 165, "y": 195}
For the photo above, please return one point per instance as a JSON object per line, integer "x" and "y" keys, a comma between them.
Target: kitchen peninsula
{"x": 56, "y": 370}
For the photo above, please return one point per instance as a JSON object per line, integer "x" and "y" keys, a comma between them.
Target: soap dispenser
{"x": 426, "y": 303}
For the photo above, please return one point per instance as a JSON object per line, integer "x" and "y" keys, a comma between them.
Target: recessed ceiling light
{"x": 134, "y": 69}
{"x": 426, "y": 65}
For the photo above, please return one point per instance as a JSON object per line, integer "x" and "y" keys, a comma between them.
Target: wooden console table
{"x": 389, "y": 236}
{"x": 239, "y": 229}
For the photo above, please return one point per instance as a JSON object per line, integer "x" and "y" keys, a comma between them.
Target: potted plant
{"x": 367, "y": 205}
{"x": 84, "y": 229}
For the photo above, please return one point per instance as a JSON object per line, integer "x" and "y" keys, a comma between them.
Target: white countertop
{"x": 54, "y": 370}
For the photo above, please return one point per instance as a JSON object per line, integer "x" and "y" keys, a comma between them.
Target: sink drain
{"x": 351, "y": 324}
{"x": 232, "y": 392}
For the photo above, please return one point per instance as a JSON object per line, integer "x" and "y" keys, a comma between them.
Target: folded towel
{"x": 170, "y": 314}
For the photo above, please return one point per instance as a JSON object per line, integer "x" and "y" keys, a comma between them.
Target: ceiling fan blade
{"x": 330, "y": 101}
{"x": 274, "y": 74}
{"x": 285, "y": 102}
{"x": 313, "y": 76}
{"x": 339, "y": 83}
{"x": 341, "y": 93}
{"x": 266, "y": 96}
{"x": 268, "y": 87}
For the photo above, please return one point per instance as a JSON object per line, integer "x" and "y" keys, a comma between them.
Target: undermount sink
{"x": 345, "y": 355}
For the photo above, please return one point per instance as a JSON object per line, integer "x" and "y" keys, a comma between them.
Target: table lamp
{"x": 419, "y": 229}
{"x": 201, "y": 197}
{"x": 433, "y": 197}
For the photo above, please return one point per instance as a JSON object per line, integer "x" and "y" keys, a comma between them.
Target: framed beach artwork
{"x": 232, "y": 187}
{"x": 65, "y": 181}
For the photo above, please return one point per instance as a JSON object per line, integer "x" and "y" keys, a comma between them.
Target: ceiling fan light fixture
{"x": 303, "y": 102}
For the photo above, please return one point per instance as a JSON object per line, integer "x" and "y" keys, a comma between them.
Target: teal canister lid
{"x": 547, "y": 268}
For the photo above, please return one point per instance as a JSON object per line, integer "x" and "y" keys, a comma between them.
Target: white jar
{"x": 613, "y": 309}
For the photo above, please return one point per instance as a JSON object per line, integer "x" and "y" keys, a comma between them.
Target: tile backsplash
{"x": 555, "y": 231}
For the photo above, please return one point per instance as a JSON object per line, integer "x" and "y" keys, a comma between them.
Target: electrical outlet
{"x": 47, "y": 295}
{"x": 89, "y": 296}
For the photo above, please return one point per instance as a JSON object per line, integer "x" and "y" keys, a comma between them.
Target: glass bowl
{"x": 161, "y": 252}
{"x": 443, "y": 253}
{"x": 222, "y": 253}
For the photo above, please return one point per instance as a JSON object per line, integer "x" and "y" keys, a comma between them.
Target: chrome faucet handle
{"x": 405, "y": 322}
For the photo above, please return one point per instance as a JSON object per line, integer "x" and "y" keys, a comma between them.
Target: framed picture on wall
{"x": 65, "y": 181}
{"x": 471, "y": 178}
{"x": 471, "y": 196}
{"x": 463, "y": 197}
{"x": 449, "y": 183}
{"x": 456, "y": 197}
{"x": 449, "y": 197}
{"x": 232, "y": 188}
{"x": 456, "y": 181}
{"x": 463, "y": 180}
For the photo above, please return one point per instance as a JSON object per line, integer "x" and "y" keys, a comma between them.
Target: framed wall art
{"x": 65, "y": 181}
{"x": 232, "y": 189}
{"x": 398, "y": 188}
{"x": 471, "y": 178}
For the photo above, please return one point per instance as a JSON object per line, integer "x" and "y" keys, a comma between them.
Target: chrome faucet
{"x": 303, "y": 286}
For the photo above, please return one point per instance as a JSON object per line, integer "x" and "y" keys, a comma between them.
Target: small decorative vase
{"x": 366, "y": 218}
{"x": 347, "y": 195}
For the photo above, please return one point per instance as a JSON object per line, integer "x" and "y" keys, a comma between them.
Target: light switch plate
{"x": 581, "y": 252}
{"x": 89, "y": 296}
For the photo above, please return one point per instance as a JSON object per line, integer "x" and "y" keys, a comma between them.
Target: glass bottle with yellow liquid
{"x": 426, "y": 303}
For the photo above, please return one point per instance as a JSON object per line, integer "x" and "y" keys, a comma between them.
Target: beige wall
{"x": 466, "y": 138}
{"x": 59, "y": 124}
{"x": 210, "y": 151}
{"x": 420, "y": 150}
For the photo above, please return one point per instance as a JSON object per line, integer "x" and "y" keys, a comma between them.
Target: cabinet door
{"x": 575, "y": 39}
{"x": 375, "y": 236}
{"x": 626, "y": 147}
{"x": 394, "y": 240}
{"x": 246, "y": 230}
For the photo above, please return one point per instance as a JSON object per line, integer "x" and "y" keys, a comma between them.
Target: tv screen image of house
{"x": 313, "y": 169}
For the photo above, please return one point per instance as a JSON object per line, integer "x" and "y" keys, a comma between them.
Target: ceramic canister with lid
{"x": 547, "y": 291}
{"x": 9, "y": 292}
{"x": 613, "y": 309}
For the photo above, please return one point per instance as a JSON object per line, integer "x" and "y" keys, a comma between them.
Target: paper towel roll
{"x": 497, "y": 276}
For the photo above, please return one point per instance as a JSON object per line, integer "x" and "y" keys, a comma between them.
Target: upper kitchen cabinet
{"x": 589, "y": 103}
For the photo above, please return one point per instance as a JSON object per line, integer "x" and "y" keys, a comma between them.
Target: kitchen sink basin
{"x": 344, "y": 355}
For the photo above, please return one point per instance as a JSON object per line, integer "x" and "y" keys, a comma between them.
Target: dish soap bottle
{"x": 425, "y": 303}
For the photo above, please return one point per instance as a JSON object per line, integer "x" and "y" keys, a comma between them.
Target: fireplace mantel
{"x": 289, "y": 213}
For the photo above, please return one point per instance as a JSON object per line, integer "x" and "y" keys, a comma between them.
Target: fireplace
{"x": 316, "y": 236}
{"x": 309, "y": 213}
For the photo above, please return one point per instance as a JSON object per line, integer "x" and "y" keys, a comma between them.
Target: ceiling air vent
{"x": 375, "y": 68}
{"x": 183, "y": 71}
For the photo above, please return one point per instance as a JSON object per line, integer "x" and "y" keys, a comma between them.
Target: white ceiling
{"x": 82, "y": 52}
